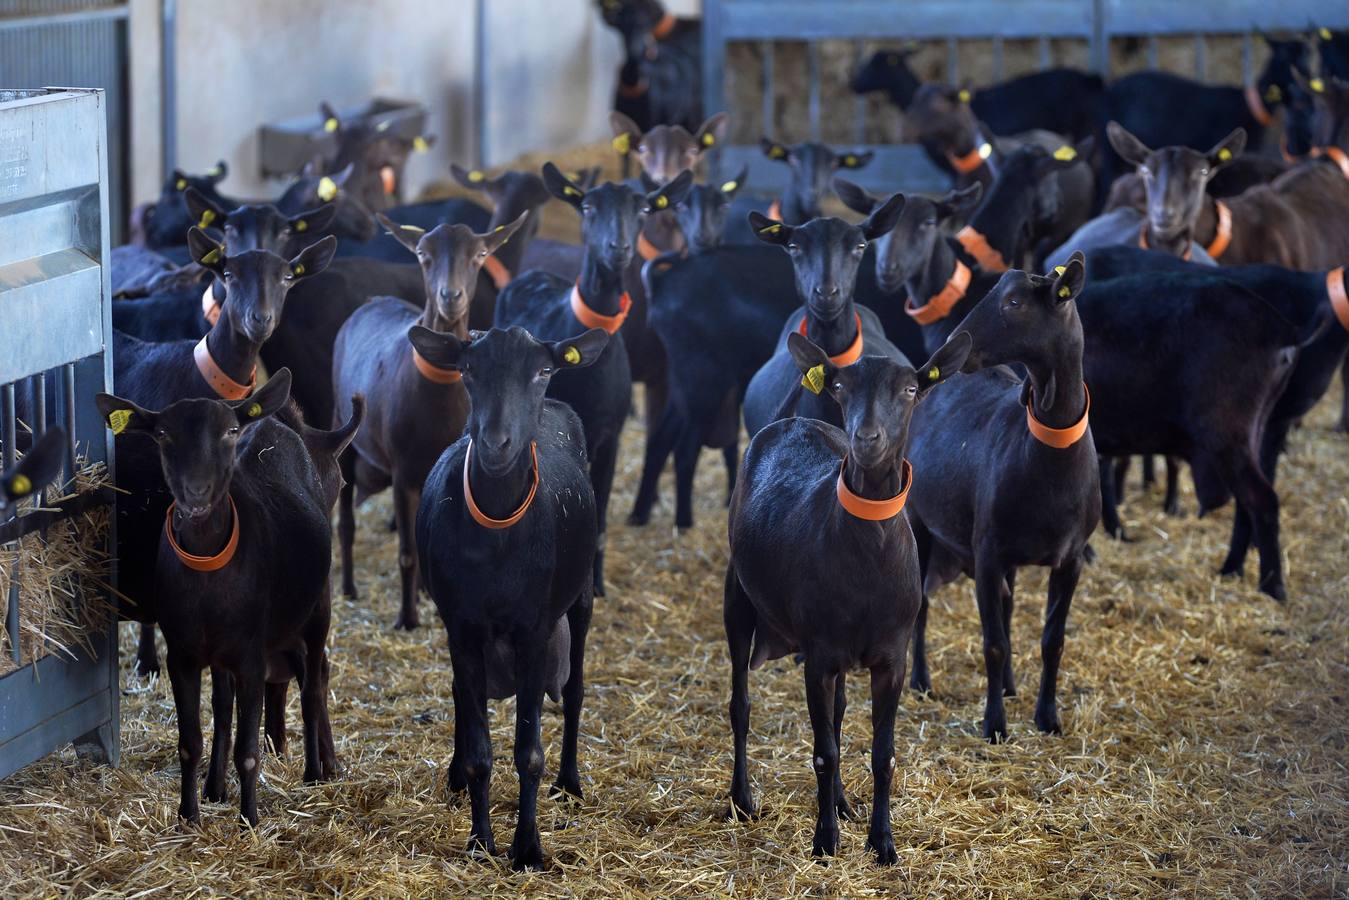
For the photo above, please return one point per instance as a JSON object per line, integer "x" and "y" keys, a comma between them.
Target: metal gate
{"x": 55, "y": 330}
{"x": 82, "y": 43}
{"x": 905, "y": 167}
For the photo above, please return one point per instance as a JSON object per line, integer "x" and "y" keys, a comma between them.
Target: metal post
{"x": 1200, "y": 57}
{"x": 9, "y": 457}
{"x": 769, "y": 102}
{"x": 859, "y": 102}
{"x": 813, "y": 62}
{"x": 1045, "y": 55}
{"x": 480, "y": 82}
{"x": 168, "y": 85}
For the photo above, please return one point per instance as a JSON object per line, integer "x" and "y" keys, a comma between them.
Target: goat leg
{"x": 886, "y": 685}
{"x": 568, "y": 781}
{"x": 738, "y": 615}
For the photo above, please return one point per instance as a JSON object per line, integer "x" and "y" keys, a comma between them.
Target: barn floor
{"x": 1204, "y": 754}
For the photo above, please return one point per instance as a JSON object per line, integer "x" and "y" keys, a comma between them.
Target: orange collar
{"x": 775, "y": 210}
{"x": 204, "y": 563}
{"x": 226, "y": 387}
{"x": 1339, "y": 299}
{"x": 1283, "y": 151}
{"x": 632, "y": 91}
{"x": 854, "y": 351}
{"x": 1336, "y": 155}
{"x": 939, "y": 305}
{"x": 434, "y": 373}
{"x": 1256, "y": 104}
{"x": 1143, "y": 242}
{"x": 481, "y": 517}
{"x": 664, "y": 27}
{"x": 873, "y": 510}
{"x": 966, "y": 164}
{"x": 1223, "y": 234}
{"x": 210, "y": 310}
{"x": 497, "y": 271}
{"x": 649, "y": 251}
{"x": 389, "y": 179}
{"x": 1059, "y": 438}
{"x": 591, "y": 319}
{"x": 977, "y": 245}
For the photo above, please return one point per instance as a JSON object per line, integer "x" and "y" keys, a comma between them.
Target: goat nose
{"x": 622, "y": 246}
{"x": 444, "y": 293}
{"x": 496, "y": 442}
{"x": 869, "y": 434}
{"x": 826, "y": 292}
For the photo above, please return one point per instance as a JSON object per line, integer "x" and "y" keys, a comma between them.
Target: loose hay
{"x": 1204, "y": 754}
{"x": 61, "y": 580}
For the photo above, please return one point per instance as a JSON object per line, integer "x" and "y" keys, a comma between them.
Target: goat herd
{"x": 921, "y": 402}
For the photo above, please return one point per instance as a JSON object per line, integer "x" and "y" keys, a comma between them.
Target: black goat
{"x": 1009, "y": 474}
{"x": 39, "y": 465}
{"x": 811, "y": 168}
{"x": 660, "y": 82}
{"x": 508, "y": 520}
{"x": 550, "y": 308}
{"x": 847, "y": 593}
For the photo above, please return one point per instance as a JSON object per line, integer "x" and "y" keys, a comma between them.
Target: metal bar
{"x": 7, "y": 413}
{"x": 1247, "y": 59}
{"x": 75, "y": 17}
{"x": 168, "y": 86}
{"x": 859, "y": 103}
{"x": 67, "y": 416}
{"x": 1152, "y": 51}
{"x": 1200, "y": 57}
{"x": 952, "y": 61}
{"x": 41, "y": 519}
{"x": 997, "y": 58}
{"x": 1099, "y": 41}
{"x": 769, "y": 101}
{"x": 480, "y": 82}
{"x": 1046, "y": 59}
{"x": 38, "y": 384}
{"x": 714, "y": 70}
{"x": 813, "y": 63}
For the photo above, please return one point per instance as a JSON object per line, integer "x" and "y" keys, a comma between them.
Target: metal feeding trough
{"x": 285, "y": 147}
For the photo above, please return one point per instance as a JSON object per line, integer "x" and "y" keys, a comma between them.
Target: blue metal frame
{"x": 905, "y": 167}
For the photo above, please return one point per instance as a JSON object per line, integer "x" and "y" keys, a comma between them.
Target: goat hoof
{"x": 921, "y": 686}
{"x": 1231, "y": 569}
{"x": 742, "y": 809}
{"x": 407, "y": 622}
{"x": 392, "y": 524}
{"x": 844, "y": 808}
{"x": 1172, "y": 508}
{"x": 1048, "y": 721}
{"x": 883, "y": 845}
{"x": 527, "y": 855}
{"x": 145, "y": 667}
{"x": 189, "y": 816}
{"x": 995, "y": 732}
{"x": 637, "y": 520}
{"x": 826, "y": 841}
{"x": 1276, "y": 590}
{"x": 566, "y": 792}
{"x": 478, "y": 848}
{"x": 351, "y": 593}
{"x": 213, "y": 792}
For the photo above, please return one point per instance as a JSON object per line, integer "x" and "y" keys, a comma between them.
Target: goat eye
{"x": 545, "y": 371}
{"x": 482, "y": 254}
{"x": 792, "y": 248}
{"x": 1144, "y": 171}
{"x": 862, "y": 247}
{"x": 1203, "y": 173}
{"x": 838, "y": 386}
{"x": 160, "y": 434}
{"x": 911, "y": 390}
{"x": 232, "y": 431}
{"x": 641, "y": 148}
{"x": 228, "y": 274}
{"x": 585, "y": 207}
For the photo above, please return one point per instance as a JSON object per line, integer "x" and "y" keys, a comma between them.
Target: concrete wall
{"x": 551, "y": 67}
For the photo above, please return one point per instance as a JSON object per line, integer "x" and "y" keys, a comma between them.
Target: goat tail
{"x": 787, "y": 408}
{"x": 656, "y": 265}
{"x": 336, "y": 440}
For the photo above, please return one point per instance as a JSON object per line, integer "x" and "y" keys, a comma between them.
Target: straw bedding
{"x": 1205, "y": 747}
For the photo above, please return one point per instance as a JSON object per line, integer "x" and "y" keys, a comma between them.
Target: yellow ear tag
{"x": 181, "y": 184}
{"x": 964, "y": 96}
{"x": 729, "y": 186}
{"x": 1065, "y": 153}
{"x": 330, "y": 124}
{"x": 709, "y": 139}
{"x": 985, "y": 150}
{"x": 211, "y": 258}
{"x": 1273, "y": 93}
{"x": 1224, "y": 154}
{"x": 207, "y": 217}
{"x": 1064, "y": 293}
{"x": 302, "y": 225}
{"x": 413, "y": 228}
{"x": 849, "y": 160}
{"x": 20, "y": 486}
{"x": 571, "y": 191}
{"x": 327, "y": 189}
{"x": 770, "y": 229}
{"x": 933, "y": 373}
{"x": 118, "y": 419}
{"x": 813, "y": 380}
{"x": 622, "y": 142}
{"x": 1324, "y": 34}
{"x": 662, "y": 201}
{"x": 298, "y": 270}
{"x": 572, "y": 355}
{"x": 475, "y": 176}
{"x": 254, "y": 410}
{"x": 1317, "y": 85}
{"x": 420, "y": 144}
{"x": 776, "y": 152}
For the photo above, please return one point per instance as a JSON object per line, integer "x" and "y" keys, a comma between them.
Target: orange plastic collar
{"x": 226, "y": 387}
{"x": 434, "y": 373}
{"x": 854, "y": 351}
{"x": 591, "y": 319}
{"x": 664, "y": 27}
{"x": 1256, "y": 104}
{"x": 1218, "y": 246}
{"x": 204, "y": 563}
{"x": 389, "y": 179}
{"x": 645, "y": 249}
{"x": 1283, "y": 151}
{"x": 633, "y": 91}
{"x": 1143, "y": 242}
{"x": 497, "y": 271}
{"x": 481, "y": 517}
{"x": 977, "y": 245}
{"x": 873, "y": 510}
{"x": 1059, "y": 438}
{"x": 210, "y": 310}
{"x": 966, "y": 164}
{"x": 775, "y": 210}
{"x": 1336, "y": 155}
{"x": 1339, "y": 299}
{"x": 939, "y": 305}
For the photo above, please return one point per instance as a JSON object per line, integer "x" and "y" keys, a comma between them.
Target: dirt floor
{"x": 1204, "y": 750}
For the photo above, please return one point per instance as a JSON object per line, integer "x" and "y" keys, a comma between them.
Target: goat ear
{"x": 124, "y": 416}
{"x": 217, "y": 172}
{"x": 626, "y": 133}
{"x": 560, "y": 186}
{"x": 314, "y": 220}
{"x": 202, "y": 210}
{"x": 673, "y": 193}
{"x": 1131, "y": 149}
{"x": 331, "y": 123}
{"x": 946, "y": 362}
{"x": 774, "y": 150}
{"x": 648, "y": 183}
{"x": 882, "y": 220}
{"x": 770, "y": 231}
{"x": 853, "y": 197}
{"x": 1070, "y": 278}
{"x": 812, "y": 362}
{"x": 961, "y": 202}
{"x": 314, "y": 258}
{"x": 38, "y": 467}
{"x": 179, "y": 180}
{"x": 713, "y": 131}
{"x": 496, "y": 238}
{"x": 580, "y": 351}
{"x": 407, "y": 235}
{"x": 264, "y": 401}
{"x": 205, "y": 251}
{"x": 442, "y": 350}
{"x": 473, "y": 179}
{"x": 732, "y": 187}
{"x": 851, "y": 160}
{"x": 588, "y": 178}
{"x": 1226, "y": 150}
